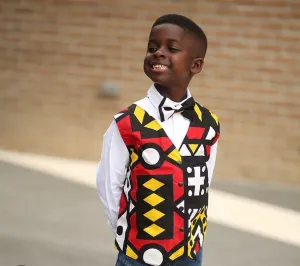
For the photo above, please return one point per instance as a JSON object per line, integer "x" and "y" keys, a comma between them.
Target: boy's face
{"x": 171, "y": 58}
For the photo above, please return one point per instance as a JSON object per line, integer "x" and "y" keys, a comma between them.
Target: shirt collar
{"x": 156, "y": 98}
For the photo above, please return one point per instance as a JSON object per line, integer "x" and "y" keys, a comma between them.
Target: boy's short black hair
{"x": 187, "y": 25}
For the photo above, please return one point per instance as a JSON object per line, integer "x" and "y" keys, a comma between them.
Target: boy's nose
{"x": 159, "y": 53}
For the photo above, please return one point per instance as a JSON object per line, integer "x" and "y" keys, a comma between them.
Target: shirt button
{"x": 181, "y": 229}
{"x": 180, "y": 184}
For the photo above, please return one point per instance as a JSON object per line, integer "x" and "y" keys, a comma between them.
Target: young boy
{"x": 158, "y": 156}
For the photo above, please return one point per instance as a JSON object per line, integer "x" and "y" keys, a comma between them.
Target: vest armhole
{"x": 125, "y": 128}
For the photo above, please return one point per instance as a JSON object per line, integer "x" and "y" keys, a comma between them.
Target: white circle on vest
{"x": 151, "y": 156}
{"x": 153, "y": 255}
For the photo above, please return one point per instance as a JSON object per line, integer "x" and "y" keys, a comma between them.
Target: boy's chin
{"x": 159, "y": 78}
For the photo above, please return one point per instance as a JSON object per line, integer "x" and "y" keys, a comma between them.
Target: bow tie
{"x": 186, "y": 109}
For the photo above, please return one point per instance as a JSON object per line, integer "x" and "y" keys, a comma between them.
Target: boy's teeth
{"x": 160, "y": 67}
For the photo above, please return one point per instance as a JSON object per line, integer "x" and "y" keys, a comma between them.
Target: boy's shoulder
{"x": 130, "y": 108}
{"x": 208, "y": 114}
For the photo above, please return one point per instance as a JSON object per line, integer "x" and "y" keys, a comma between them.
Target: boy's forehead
{"x": 167, "y": 30}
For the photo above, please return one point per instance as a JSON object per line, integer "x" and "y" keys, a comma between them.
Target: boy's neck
{"x": 174, "y": 94}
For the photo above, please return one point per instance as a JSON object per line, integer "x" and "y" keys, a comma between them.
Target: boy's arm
{"x": 212, "y": 161}
{"x": 111, "y": 172}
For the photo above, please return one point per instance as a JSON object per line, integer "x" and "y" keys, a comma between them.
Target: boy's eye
{"x": 173, "y": 49}
{"x": 152, "y": 49}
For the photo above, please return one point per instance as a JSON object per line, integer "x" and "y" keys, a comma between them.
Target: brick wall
{"x": 54, "y": 56}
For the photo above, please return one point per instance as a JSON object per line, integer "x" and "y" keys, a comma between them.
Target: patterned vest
{"x": 163, "y": 207}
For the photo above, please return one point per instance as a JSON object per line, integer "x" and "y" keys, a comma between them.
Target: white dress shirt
{"x": 111, "y": 170}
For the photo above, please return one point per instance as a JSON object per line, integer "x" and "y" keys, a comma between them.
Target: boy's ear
{"x": 197, "y": 65}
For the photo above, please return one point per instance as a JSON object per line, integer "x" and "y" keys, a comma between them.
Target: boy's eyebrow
{"x": 173, "y": 40}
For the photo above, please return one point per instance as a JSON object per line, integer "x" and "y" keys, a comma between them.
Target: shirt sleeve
{"x": 111, "y": 172}
{"x": 212, "y": 161}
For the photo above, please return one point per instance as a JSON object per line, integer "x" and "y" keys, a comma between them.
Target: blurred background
{"x": 67, "y": 66}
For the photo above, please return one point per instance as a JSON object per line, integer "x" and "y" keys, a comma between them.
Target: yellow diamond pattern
{"x": 198, "y": 112}
{"x": 154, "y": 215}
{"x": 154, "y": 230}
{"x": 154, "y": 199}
{"x": 175, "y": 155}
{"x": 153, "y": 125}
{"x": 153, "y": 184}
{"x": 193, "y": 147}
{"x": 139, "y": 114}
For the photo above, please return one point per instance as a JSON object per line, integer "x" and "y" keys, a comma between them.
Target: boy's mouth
{"x": 159, "y": 67}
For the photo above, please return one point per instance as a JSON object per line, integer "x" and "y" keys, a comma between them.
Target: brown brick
{"x": 55, "y": 56}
